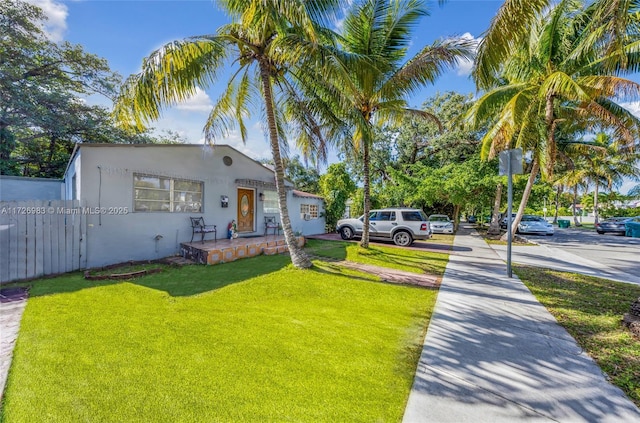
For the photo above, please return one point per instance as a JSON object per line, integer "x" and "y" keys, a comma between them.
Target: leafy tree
{"x": 336, "y": 186}
{"x": 420, "y": 140}
{"x": 371, "y": 77}
{"x": 41, "y": 115}
{"x": 269, "y": 44}
{"x": 470, "y": 183}
{"x": 303, "y": 178}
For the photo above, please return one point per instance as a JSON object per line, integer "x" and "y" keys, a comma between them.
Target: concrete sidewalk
{"x": 493, "y": 353}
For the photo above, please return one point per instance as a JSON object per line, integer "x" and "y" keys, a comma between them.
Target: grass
{"x": 393, "y": 257}
{"x": 253, "y": 340}
{"x": 591, "y": 310}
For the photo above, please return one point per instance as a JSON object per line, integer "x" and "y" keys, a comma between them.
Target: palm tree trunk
{"x": 525, "y": 196}
{"x": 575, "y": 203}
{"x": 298, "y": 257}
{"x": 494, "y": 229}
{"x": 364, "y": 243}
{"x": 555, "y": 216}
{"x": 595, "y": 205}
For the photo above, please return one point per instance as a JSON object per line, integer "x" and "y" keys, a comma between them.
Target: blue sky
{"x": 124, "y": 32}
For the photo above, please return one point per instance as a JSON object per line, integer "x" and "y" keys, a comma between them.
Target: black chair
{"x": 198, "y": 227}
{"x": 270, "y": 222}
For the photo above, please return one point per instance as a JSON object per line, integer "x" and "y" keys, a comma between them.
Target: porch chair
{"x": 270, "y": 222}
{"x": 198, "y": 227}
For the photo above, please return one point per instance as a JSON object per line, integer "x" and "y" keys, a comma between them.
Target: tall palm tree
{"x": 370, "y": 77}
{"x": 265, "y": 41}
{"x": 550, "y": 81}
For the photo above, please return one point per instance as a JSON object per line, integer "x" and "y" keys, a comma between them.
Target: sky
{"x": 124, "y": 32}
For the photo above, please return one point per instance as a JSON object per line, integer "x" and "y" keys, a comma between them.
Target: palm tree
{"x": 613, "y": 22}
{"x": 370, "y": 76}
{"x": 265, "y": 41}
{"x": 550, "y": 81}
{"x": 602, "y": 164}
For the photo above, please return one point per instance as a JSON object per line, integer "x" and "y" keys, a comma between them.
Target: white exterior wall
{"x": 73, "y": 170}
{"x": 106, "y": 181}
{"x": 306, "y": 227}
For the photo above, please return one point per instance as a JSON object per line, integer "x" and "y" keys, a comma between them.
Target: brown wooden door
{"x": 245, "y": 210}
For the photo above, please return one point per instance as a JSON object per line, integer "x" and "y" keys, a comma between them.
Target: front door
{"x": 245, "y": 210}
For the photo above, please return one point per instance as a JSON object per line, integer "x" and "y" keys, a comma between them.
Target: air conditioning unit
{"x": 305, "y": 216}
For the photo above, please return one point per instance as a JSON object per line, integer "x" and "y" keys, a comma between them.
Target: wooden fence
{"x": 39, "y": 238}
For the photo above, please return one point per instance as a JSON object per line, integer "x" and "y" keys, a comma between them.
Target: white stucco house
{"x": 139, "y": 198}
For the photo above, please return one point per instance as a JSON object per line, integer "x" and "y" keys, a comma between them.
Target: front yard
{"x": 253, "y": 340}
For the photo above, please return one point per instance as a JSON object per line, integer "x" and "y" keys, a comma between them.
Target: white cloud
{"x": 633, "y": 107}
{"x": 199, "y": 102}
{"x": 56, "y": 25}
{"x": 465, "y": 66}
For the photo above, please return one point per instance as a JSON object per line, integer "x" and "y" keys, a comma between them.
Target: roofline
{"x": 31, "y": 178}
{"x": 78, "y": 146}
{"x": 299, "y": 193}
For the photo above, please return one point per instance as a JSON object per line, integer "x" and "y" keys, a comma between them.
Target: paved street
{"x": 574, "y": 250}
{"x": 618, "y": 252}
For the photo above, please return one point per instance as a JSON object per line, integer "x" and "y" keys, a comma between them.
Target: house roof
{"x": 80, "y": 146}
{"x": 306, "y": 194}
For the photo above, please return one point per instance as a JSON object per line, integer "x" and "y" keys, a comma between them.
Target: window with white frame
{"x": 309, "y": 210}
{"x": 270, "y": 202}
{"x": 163, "y": 194}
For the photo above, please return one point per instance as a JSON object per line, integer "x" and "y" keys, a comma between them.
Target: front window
{"x": 270, "y": 202}
{"x": 310, "y": 210}
{"x": 163, "y": 194}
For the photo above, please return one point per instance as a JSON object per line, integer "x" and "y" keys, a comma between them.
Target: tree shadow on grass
{"x": 177, "y": 281}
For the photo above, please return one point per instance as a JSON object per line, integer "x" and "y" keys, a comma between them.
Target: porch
{"x": 227, "y": 250}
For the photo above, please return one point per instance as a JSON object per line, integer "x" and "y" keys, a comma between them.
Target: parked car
{"x": 530, "y": 224}
{"x": 503, "y": 222}
{"x": 613, "y": 225}
{"x": 440, "y": 224}
{"x": 472, "y": 219}
{"x": 401, "y": 225}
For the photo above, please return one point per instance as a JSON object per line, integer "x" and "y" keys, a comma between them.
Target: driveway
{"x": 581, "y": 251}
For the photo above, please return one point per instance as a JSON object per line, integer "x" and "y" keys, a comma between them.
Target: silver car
{"x": 531, "y": 224}
{"x": 401, "y": 225}
{"x": 440, "y": 224}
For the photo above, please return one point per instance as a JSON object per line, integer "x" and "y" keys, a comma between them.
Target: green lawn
{"x": 393, "y": 257}
{"x": 254, "y": 340}
{"x": 591, "y": 310}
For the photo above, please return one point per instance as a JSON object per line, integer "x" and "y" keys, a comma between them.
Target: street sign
{"x": 515, "y": 155}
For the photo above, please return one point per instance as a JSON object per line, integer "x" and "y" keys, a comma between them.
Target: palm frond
{"x": 169, "y": 75}
{"x": 505, "y": 34}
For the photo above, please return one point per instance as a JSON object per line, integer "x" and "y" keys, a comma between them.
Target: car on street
{"x": 530, "y": 224}
{"x": 400, "y": 225}
{"x": 472, "y": 219}
{"x": 614, "y": 225}
{"x": 440, "y": 224}
{"x": 503, "y": 222}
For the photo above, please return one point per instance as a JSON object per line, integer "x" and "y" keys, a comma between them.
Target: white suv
{"x": 402, "y": 225}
